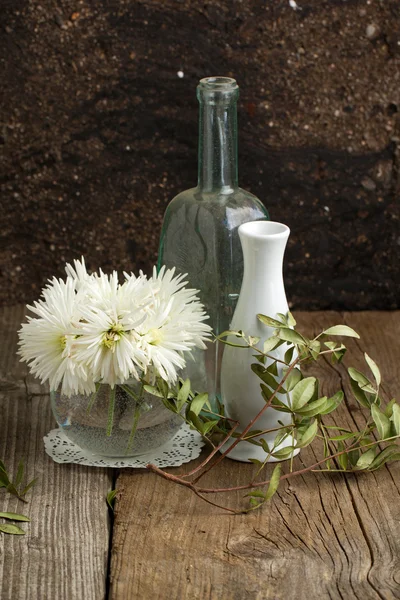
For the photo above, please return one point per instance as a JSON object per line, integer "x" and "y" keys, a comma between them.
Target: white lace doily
{"x": 184, "y": 447}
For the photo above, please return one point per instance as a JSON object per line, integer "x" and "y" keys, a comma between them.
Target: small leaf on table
{"x": 11, "y": 529}
{"x": 14, "y": 516}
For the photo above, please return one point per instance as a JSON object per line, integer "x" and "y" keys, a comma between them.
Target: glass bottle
{"x": 200, "y": 230}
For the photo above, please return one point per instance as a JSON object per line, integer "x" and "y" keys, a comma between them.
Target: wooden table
{"x": 322, "y": 536}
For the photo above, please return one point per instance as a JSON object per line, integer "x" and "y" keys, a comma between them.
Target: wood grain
{"x": 65, "y": 550}
{"x": 326, "y": 535}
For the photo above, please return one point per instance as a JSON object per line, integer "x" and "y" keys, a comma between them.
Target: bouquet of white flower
{"x": 92, "y": 329}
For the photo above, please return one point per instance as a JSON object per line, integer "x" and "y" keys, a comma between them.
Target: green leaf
{"x": 269, "y": 321}
{"x": 198, "y": 403}
{"x": 163, "y": 387}
{"x": 331, "y": 345}
{"x": 313, "y": 408}
{"x": 291, "y": 320}
{"x": 281, "y": 435}
{"x": 28, "y": 487}
{"x": 342, "y": 459}
{"x": 20, "y": 473}
{"x": 11, "y": 529}
{"x": 381, "y": 421}
{"x": 4, "y": 480}
{"x": 302, "y": 393}
{"x": 229, "y": 332}
{"x": 308, "y": 435}
{"x": 315, "y": 348}
{"x": 293, "y": 379}
{"x": 341, "y": 330}
{"x": 273, "y": 368}
{"x": 337, "y": 356}
{"x": 374, "y": 368}
{"x": 195, "y": 421}
{"x": 273, "y": 482}
{"x": 289, "y": 335}
{"x": 152, "y": 390}
{"x": 344, "y": 436}
{"x": 266, "y": 377}
{"x": 256, "y": 494}
{"x": 283, "y": 318}
{"x": 208, "y": 425}
{"x": 183, "y": 395}
{"x": 278, "y": 405}
{"x": 283, "y": 453}
{"x": 353, "y": 456}
{"x": 390, "y": 453}
{"x": 289, "y": 355}
{"x": 257, "y": 462}
{"x": 366, "y": 459}
{"x": 253, "y": 341}
{"x": 332, "y": 403}
{"x": 266, "y": 392}
{"x": 363, "y": 381}
{"x": 110, "y": 498}
{"x": 389, "y": 407}
{"x": 359, "y": 395}
{"x": 260, "y": 357}
{"x": 395, "y": 418}
{"x": 13, "y": 516}
{"x": 270, "y": 344}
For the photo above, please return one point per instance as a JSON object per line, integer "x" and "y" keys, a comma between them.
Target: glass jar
{"x": 112, "y": 423}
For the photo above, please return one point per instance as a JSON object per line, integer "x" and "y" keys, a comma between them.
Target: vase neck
{"x": 218, "y": 169}
{"x": 263, "y": 244}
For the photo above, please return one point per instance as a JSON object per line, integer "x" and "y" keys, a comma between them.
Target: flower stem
{"x": 93, "y": 399}
{"x": 111, "y": 407}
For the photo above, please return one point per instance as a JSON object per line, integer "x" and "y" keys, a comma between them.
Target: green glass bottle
{"x": 199, "y": 234}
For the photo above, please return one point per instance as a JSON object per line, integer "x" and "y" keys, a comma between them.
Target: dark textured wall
{"x": 99, "y": 132}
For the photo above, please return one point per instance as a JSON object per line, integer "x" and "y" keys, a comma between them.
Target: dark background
{"x": 99, "y": 132}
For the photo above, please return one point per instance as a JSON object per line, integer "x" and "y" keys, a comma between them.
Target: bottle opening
{"x": 218, "y": 84}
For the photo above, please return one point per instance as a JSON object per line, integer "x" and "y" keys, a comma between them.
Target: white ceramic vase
{"x": 262, "y": 291}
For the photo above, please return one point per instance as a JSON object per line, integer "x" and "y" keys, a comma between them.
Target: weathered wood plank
{"x": 64, "y": 553}
{"x": 327, "y": 536}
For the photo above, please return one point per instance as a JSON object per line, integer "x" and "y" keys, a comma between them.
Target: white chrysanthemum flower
{"x": 92, "y": 329}
{"x": 105, "y": 343}
{"x": 47, "y": 343}
{"x": 78, "y": 272}
{"x": 174, "y": 324}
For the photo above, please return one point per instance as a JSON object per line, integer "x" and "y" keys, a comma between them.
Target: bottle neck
{"x": 218, "y": 170}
